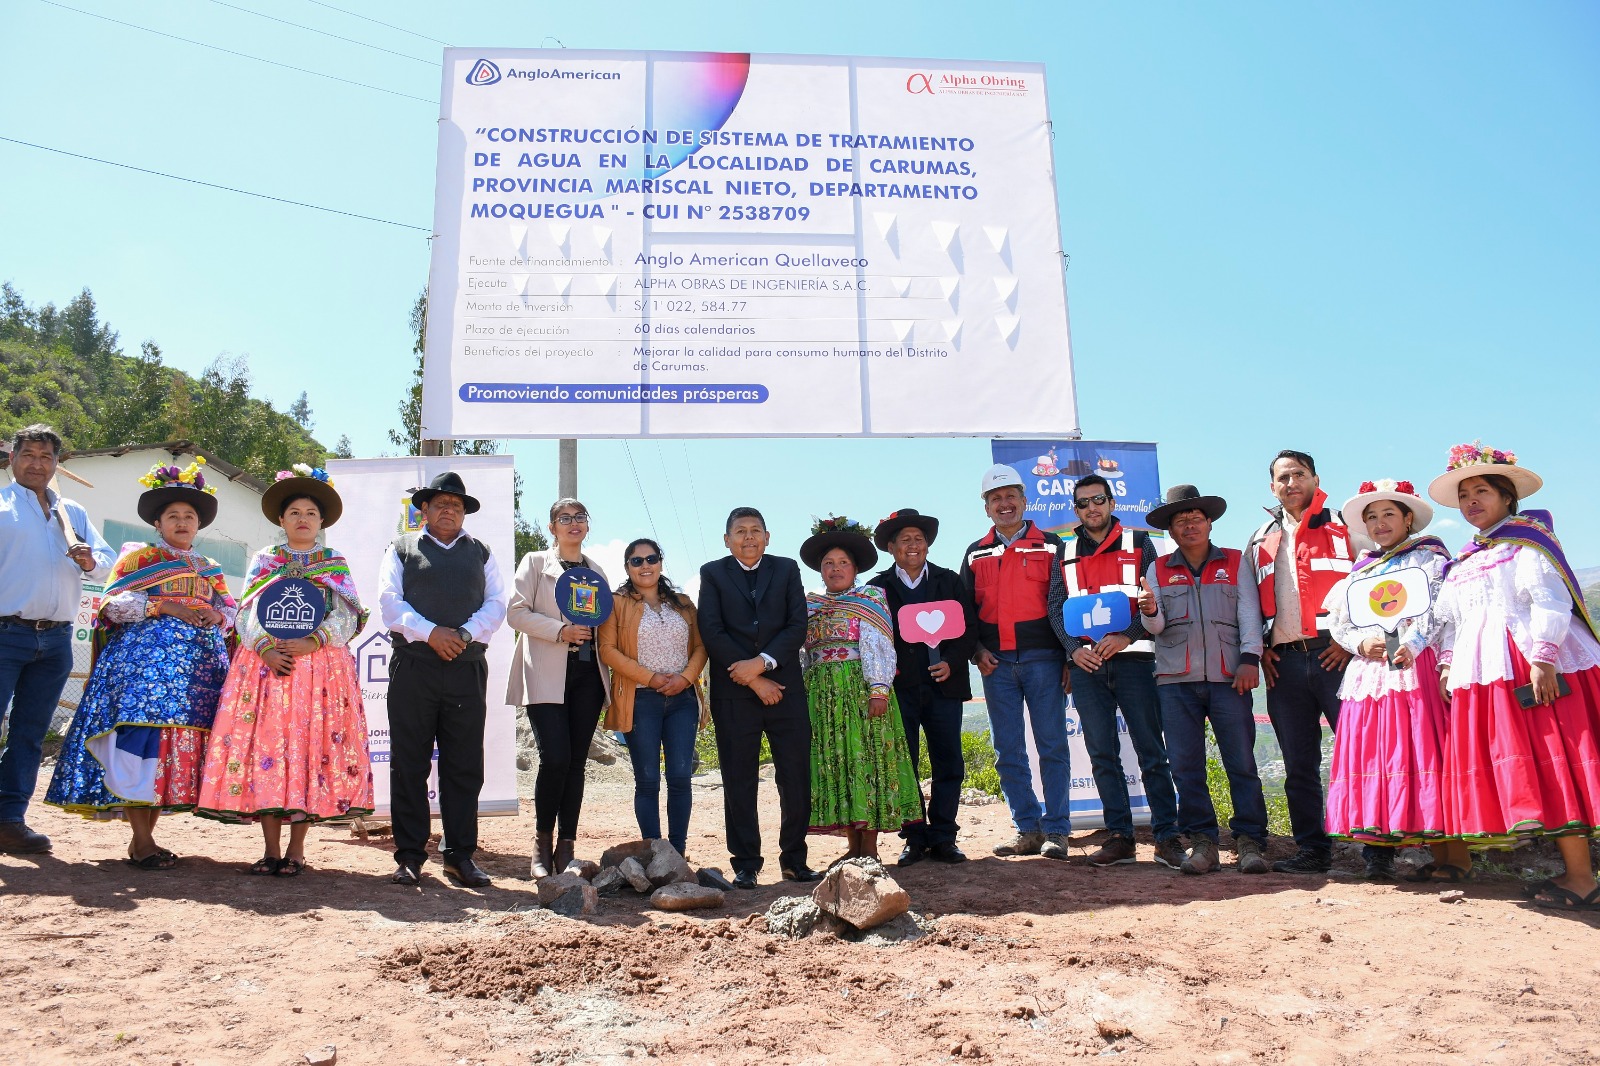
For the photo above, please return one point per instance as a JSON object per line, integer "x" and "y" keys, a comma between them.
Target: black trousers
{"x": 562, "y": 731}
{"x": 435, "y": 702}
{"x": 787, "y": 725}
{"x": 924, "y": 711}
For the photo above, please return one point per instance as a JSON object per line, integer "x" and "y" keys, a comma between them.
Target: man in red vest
{"x": 1117, "y": 674}
{"x": 1297, "y": 557}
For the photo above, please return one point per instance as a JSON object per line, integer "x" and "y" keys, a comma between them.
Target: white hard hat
{"x": 999, "y": 476}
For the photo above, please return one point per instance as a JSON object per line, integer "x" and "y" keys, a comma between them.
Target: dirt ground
{"x": 1023, "y": 960}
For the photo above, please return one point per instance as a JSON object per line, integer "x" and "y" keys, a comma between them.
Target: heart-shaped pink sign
{"x": 929, "y": 623}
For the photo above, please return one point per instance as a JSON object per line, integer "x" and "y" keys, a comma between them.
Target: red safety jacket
{"x": 1010, "y": 585}
{"x": 1322, "y": 558}
{"x": 1112, "y": 567}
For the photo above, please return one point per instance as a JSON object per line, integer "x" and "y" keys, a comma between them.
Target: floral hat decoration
{"x": 1474, "y": 460}
{"x": 837, "y": 531}
{"x": 302, "y": 479}
{"x": 1402, "y": 492}
{"x": 166, "y": 484}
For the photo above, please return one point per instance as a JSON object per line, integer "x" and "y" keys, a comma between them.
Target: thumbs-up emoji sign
{"x": 1147, "y": 598}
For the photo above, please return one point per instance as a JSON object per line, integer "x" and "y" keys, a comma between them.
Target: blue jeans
{"x": 1032, "y": 678}
{"x": 34, "y": 664}
{"x": 1302, "y": 697}
{"x": 1128, "y": 685}
{"x": 1185, "y": 707}
{"x": 669, "y": 722}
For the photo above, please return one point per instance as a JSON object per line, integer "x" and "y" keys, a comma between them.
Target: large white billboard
{"x": 697, "y": 244}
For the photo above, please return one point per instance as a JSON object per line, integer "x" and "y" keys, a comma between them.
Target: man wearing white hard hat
{"x": 1009, "y": 572}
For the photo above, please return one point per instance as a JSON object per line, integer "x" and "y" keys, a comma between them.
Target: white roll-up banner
{"x": 724, "y": 244}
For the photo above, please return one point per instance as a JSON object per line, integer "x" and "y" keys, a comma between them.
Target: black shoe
{"x": 1380, "y": 864}
{"x": 405, "y": 874}
{"x": 17, "y": 839}
{"x": 912, "y": 854}
{"x": 1305, "y": 861}
{"x": 745, "y": 879}
{"x": 465, "y": 873}
{"x": 801, "y": 873}
{"x": 947, "y": 852}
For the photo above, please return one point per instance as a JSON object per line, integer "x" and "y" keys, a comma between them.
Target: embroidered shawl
{"x": 325, "y": 567}
{"x": 1532, "y": 529}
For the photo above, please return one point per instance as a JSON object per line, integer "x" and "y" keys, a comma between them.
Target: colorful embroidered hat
{"x": 1386, "y": 489}
{"x": 165, "y": 484}
{"x": 836, "y": 531}
{"x": 1474, "y": 460}
{"x": 303, "y": 480}
{"x": 889, "y": 528}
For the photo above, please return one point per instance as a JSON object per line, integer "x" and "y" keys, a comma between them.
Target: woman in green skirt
{"x": 862, "y": 778}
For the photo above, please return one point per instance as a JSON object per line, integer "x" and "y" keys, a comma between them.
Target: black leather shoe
{"x": 465, "y": 873}
{"x": 912, "y": 854}
{"x": 801, "y": 873}
{"x": 17, "y": 839}
{"x": 1305, "y": 861}
{"x": 744, "y": 879}
{"x": 947, "y": 853}
{"x": 408, "y": 875}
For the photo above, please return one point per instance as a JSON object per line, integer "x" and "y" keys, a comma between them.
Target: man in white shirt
{"x": 47, "y": 547}
{"x": 441, "y": 598}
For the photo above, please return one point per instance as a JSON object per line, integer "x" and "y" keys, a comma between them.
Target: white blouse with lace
{"x": 1502, "y": 591}
{"x": 663, "y": 640}
{"x": 1365, "y": 678}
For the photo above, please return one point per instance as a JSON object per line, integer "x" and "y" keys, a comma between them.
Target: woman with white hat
{"x": 1388, "y": 752}
{"x": 1520, "y": 666}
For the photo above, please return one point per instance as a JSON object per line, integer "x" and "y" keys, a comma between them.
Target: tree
{"x": 16, "y": 319}
{"x": 342, "y": 449}
{"x": 138, "y": 412}
{"x": 300, "y": 411}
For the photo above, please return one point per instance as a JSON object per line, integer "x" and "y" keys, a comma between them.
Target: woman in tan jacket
{"x": 652, "y": 645}
{"x": 562, "y": 692}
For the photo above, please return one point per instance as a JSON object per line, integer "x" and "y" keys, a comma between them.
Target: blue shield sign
{"x": 582, "y": 597}
{"x": 291, "y": 607}
{"x": 1096, "y": 615}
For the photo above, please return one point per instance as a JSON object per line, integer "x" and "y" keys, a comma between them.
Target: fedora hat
{"x": 1387, "y": 489}
{"x": 889, "y": 528}
{"x": 302, "y": 480}
{"x": 1182, "y": 498}
{"x": 449, "y": 482}
{"x": 1474, "y": 460}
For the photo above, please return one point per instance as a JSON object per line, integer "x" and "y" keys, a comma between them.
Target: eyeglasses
{"x": 1090, "y": 501}
{"x": 644, "y": 560}
{"x": 572, "y": 519}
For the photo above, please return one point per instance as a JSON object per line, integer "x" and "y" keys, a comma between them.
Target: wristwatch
{"x": 465, "y": 634}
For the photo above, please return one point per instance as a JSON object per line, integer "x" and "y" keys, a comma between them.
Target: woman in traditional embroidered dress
{"x": 1520, "y": 665}
{"x": 138, "y": 738}
{"x": 862, "y": 778}
{"x": 289, "y": 743}
{"x": 1388, "y": 753}
{"x": 652, "y": 644}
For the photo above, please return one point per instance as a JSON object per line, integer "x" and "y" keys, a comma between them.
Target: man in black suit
{"x": 930, "y": 695}
{"x": 753, "y": 623}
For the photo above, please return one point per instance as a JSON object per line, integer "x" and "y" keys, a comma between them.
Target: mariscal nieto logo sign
{"x": 972, "y": 83}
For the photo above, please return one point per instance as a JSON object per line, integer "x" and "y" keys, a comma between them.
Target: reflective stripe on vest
{"x": 1123, "y": 566}
{"x": 1327, "y": 562}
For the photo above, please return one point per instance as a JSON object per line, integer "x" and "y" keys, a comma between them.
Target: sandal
{"x": 156, "y": 860}
{"x": 265, "y": 866}
{"x": 290, "y": 867}
{"x": 1444, "y": 873}
{"x": 1554, "y": 897}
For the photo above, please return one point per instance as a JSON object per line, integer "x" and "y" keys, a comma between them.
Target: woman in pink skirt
{"x": 1520, "y": 665}
{"x": 1388, "y": 752}
{"x": 289, "y": 743}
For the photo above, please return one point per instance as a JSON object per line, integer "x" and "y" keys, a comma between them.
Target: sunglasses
{"x": 1090, "y": 501}
{"x": 644, "y": 560}
{"x": 572, "y": 519}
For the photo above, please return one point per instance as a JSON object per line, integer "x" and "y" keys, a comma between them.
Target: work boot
{"x": 1114, "y": 852}
{"x": 541, "y": 854}
{"x": 17, "y": 839}
{"x": 1305, "y": 861}
{"x": 563, "y": 855}
{"x": 1055, "y": 847}
{"x": 1202, "y": 857}
{"x": 1248, "y": 851}
{"x": 1379, "y": 863}
{"x": 1021, "y": 844}
{"x": 1169, "y": 853}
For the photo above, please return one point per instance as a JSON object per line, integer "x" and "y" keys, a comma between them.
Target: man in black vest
{"x": 753, "y": 623}
{"x": 930, "y": 697}
{"x": 441, "y": 598}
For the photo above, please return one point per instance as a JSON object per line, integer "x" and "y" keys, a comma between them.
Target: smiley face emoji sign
{"x": 1386, "y": 600}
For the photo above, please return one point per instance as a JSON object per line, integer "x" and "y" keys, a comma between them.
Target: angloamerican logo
{"x": 483, "y": 72}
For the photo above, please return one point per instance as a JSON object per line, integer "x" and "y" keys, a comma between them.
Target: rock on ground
{"x": 793, "y": 917}
{"x": 587, "y": 869}
{"x": 666, "y": 865}
{"x": 326, "y": 1055}
{"x": 633, "y": 871}
{"x": 860, "y": 892}
{"x": 685, "y": 896}
{"x": 633, "y": 849}
{"x": 712, "y": 877}
{"x": 568, "y": 894}
{"x": 609, "y": 880}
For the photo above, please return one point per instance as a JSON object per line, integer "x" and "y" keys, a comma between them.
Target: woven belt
{"x": 836, "y": 653}
{"x": 31, "y": 623}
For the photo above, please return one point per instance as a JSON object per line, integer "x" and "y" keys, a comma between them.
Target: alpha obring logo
{"x": 483, "y": 72}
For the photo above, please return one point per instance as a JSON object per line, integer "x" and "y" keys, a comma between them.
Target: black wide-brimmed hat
{"x": 889, "y": 528}
{"x": 836, "y": 531}
{"x": 317, "y": 484}
{"x": 165, "y": 485}
{"x": 1182, "y": 498}
{"x": 450, "y": 482}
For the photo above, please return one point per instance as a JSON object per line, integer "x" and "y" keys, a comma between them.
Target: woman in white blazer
{"x": 564, "y": 694}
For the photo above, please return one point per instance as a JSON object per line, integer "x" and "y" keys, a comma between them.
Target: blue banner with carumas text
{"x": 1051, "y": 469}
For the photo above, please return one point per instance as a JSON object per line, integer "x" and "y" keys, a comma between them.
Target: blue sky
{"x": 1364, "y": 230}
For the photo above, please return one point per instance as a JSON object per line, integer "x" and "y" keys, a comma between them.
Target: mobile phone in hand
{"x": 1524, "y": 693}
